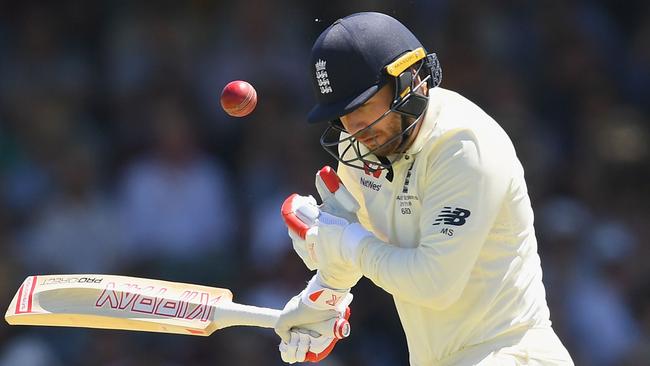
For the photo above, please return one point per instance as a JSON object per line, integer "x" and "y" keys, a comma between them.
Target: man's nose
{"x": 356, "y": 126}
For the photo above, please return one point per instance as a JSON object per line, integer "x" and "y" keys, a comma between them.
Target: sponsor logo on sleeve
{"x": 452, "y": 216}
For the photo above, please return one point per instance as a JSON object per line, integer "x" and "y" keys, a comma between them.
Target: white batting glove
{"x": 336, "y": 241}
{"x": 316, "y": 303}
{"x": 297, "y": 348}
{"x": 309, "y": 346}
{"x": 337, "y": 200}
{"x": 330, "y": 243}
{"x": 300, "y": 213}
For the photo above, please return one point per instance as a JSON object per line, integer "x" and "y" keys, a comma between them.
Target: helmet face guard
{"x": 406, "y": 102}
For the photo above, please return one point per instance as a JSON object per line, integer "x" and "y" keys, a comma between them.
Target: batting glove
{"x": 309, "y": 347}
{"x": 337, "y": 200}
{"x": 313, "y": 305}
{"x": 300, "y": 213}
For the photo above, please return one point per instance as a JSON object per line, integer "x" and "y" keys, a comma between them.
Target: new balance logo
{"x": 456, "y": 216}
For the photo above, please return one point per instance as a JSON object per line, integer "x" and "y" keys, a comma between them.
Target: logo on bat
{"x": 151, "y": 300}
{"x": 60, "y": 280}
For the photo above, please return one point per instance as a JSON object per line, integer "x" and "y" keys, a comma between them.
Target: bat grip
{"x": 232, "y": 314}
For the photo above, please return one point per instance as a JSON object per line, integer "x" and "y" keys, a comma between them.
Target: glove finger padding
{"x": 328, "y": 219}
{"x": 314, "y": 347}
{"x": 296, "y": 349}
{"x": 337, "y": 200}
{"x": 304, "y": 250}
{"x": 299, "y": 213}
{"x": 303, "y": 346}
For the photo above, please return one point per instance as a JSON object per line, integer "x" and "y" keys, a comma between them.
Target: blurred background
{"x": 115, "y": 157}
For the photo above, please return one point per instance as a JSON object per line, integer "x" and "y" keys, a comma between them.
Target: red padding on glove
{"x": 291, "y": 220}
{"x": 316, "y": 357}
{"x": 329, "y": 177}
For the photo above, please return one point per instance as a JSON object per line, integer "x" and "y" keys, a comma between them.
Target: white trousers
{"x": 535, "y": 347}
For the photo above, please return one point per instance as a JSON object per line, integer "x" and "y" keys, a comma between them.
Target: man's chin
{"x": 387, "y": 150}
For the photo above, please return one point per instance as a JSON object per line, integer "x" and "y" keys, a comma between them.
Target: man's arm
{"x": 462, "y": 184}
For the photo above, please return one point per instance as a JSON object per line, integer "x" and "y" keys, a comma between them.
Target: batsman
{"x": 428, "y": 201}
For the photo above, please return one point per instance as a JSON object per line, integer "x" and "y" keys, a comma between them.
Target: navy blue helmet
{"x": 354, "y": 58}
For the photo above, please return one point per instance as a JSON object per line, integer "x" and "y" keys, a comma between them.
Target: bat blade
{"x": 118, "y": 302}
{"x": 141, "y": 304}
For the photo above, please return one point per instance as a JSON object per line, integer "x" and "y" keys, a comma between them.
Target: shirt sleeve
{"x": 463, "y": 191}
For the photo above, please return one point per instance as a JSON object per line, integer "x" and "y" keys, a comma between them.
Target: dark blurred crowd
{"x": 115, "y": 157}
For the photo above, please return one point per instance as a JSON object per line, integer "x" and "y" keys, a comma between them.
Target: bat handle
{"x": 233, "y": 314}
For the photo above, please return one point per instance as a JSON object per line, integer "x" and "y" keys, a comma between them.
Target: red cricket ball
{"x": 238, "y": 98}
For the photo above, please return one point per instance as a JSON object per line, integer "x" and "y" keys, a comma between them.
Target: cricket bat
{"x": 140, "y": 304}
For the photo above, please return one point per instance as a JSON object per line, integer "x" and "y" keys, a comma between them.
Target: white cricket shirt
{"x": 455, "y": 243}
